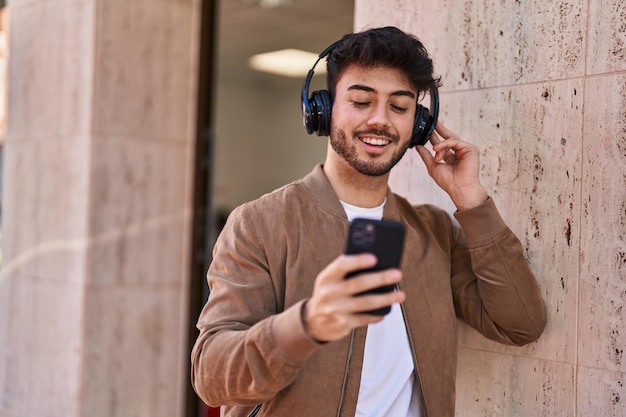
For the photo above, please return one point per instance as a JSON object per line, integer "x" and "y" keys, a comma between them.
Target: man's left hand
{"x": 454, "y": 167}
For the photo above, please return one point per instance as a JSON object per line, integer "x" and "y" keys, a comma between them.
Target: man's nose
{"x": 379, "y": 116}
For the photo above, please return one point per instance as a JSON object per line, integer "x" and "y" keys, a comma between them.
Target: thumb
{"x": 426, "y": 156}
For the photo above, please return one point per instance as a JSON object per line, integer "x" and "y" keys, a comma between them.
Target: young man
{"x": 283, "y": 333}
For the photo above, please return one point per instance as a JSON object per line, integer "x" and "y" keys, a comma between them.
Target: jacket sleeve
{"x": 493, "y": 286}
{"x": 247, "y": 349}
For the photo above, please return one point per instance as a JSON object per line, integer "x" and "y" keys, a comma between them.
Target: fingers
{"x": 336, "y": 303}
{"x": 343, "y": 265}
{"x": 442, "y": 130}
{"x": 333, "y": 277}
{"x": 332, "y": 321}
{"x": 326, "y": 325}
{"x": 455, "y": 148}
{"x": 451, "y": 147}
{"x": 426, "y": 156}
{"x": 368, "y": 281}
{"x": 366, "y": 302}
{"x": 444, "y": 151}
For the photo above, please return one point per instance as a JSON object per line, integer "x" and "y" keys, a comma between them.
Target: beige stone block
{"x": 486, "y": 43}
{"x": 141, "y": 199}
{"x": 144, "y": 88}
{"x": 43, "y": 343}
{"x": 530, "y": 138}
{"x": 602, "y": 312}
{"x": 45, "y": 203}
{"x": 601, "y": 393}
{"x": 133, "y": 351}
{"x": 606, "y": 50}
{"x": 494, "y": 385}
{"x": 51, "y": 94}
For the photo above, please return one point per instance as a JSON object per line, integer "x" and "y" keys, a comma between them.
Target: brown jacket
{"x": 253, "y": 349}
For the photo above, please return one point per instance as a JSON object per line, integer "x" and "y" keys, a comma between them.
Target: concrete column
{"x": 98, "y": 165}
{"x": 540, "y": 87}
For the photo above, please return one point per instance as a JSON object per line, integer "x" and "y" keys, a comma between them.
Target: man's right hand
{"x": 334, "y": 309}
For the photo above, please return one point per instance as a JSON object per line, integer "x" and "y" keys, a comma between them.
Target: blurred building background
{"x": 132, "y": 127}
{"x": 4, "y": 31}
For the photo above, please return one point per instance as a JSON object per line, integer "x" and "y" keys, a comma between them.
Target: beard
{"x": 373, "y": 168}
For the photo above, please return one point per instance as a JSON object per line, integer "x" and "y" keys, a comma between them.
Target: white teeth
{"x": 374, "y": 141}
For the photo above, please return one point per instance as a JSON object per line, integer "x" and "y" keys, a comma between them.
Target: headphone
{"x": 316, "y": 109}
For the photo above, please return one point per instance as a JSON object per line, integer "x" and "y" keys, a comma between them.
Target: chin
{"x": 371, "y": 169}
{"x": 368, "y": 165}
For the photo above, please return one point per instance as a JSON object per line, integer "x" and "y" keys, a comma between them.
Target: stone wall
{"x": 97, "y": 207}
{"x": 540, "y": 87}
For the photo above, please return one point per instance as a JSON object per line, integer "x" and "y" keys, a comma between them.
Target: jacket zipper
{"x": 346, "y": 375}
{"x": 256, "y": 411}
{"x": 417, "y": 373}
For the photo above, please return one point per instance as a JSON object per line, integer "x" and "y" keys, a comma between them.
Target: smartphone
{"x": 383, "y": 238}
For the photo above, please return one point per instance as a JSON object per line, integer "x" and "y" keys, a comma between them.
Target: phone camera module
{"x": 364, "y": 234}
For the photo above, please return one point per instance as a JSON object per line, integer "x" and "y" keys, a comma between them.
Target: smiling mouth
{"x": 375, "y": 137}
{"x": 375, "y": 141}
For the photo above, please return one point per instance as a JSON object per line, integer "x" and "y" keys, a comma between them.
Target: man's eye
{"x": 399, "y": 109}
{"x": 360, "y": 103}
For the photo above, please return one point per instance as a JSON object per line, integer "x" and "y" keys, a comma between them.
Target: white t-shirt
{"x": 387, "y": 378}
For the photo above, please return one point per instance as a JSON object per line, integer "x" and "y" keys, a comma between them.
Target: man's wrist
{"x": 303, "y": 312}
{"x": 468, "y": 199}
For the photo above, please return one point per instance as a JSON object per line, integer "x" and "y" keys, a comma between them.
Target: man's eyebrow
{"x": 371, "y": 90}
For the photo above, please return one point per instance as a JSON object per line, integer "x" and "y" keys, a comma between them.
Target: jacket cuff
{"x": 481, "y": 223}
{"x": 291, "y": 337}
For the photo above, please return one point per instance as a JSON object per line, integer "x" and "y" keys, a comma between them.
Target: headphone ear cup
{"x": 321, "y": 110}
{"x": 421, "y": 126}
{"x": 307, "y": 115}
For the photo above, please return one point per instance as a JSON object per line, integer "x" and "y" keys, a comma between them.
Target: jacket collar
{"x": 317, "y": 184}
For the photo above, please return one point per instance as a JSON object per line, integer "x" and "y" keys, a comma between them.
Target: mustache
{"x": 375, "y": 132}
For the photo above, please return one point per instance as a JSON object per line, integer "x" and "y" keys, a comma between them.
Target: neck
{"x": 355, "y": 188}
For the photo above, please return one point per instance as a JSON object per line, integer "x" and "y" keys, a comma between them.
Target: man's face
{"x": 372, "y": 118}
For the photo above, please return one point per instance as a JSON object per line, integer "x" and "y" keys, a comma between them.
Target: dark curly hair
{"x": 383, "y": 47}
